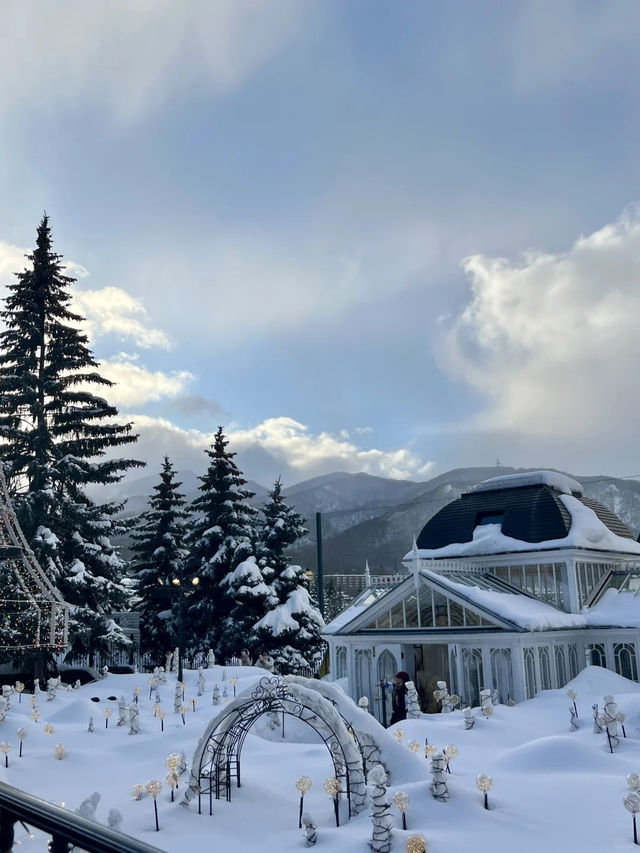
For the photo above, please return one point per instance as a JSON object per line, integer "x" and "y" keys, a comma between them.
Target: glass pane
{"x": 383, "y": 620}
{"x": 397, "y": 616}
{"x": 411, "y": 609}
{"x": 426, "y": 612}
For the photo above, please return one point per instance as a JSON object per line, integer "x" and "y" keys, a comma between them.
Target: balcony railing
{"x": 66, "y": 829}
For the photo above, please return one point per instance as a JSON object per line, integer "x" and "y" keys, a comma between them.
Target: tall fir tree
{"x": 290, "y": 629}
{"x": 159, "y": 556}
{"x": 219, "y": 541}
{"x": 55, "y": 434}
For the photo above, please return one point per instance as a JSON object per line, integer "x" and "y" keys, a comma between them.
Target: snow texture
{"x": 557, "y": 481}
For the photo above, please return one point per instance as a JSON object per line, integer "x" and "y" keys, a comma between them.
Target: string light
{"x": 59, "y": 751}
{"x": 416, "y": 844}
{"x": 398, "y": 735}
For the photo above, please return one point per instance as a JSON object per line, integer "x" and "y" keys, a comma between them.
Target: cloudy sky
{"x": 362, "y": 235}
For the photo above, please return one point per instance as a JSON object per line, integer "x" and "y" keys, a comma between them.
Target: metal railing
{"x": 66, "y": 829}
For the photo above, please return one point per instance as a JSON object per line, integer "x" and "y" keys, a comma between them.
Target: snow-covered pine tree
{"x": 219, "y": 540}
{"x": 55, "y": 431}
{"x": 159, "y": 555}
{"x": 290, "y": 630}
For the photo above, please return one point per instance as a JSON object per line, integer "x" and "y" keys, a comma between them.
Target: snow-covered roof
{"x": 619, "y": 608}
{"x": 560, "y": 482}
{"x": 586, "y": 531}
{"x": 357, "y": 606}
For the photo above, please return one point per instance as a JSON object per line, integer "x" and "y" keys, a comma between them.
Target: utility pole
{"x": 319, "y": 561}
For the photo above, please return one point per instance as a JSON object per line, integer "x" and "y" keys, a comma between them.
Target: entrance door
{"x": 432, "y": 665}
{"x": 387, "y": 668}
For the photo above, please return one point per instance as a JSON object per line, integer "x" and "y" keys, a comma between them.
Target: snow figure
{"x": 52, "y": 689}
{"x": 211, "y": 659}
{"x": 76, "y": 686}
{"x": 182, "y": 764}
{"x": 215, "y": 698}
{"x": 495, "y": 697}
{"x": 177, "y": 697}
{"x": 265, "y": 661}
{"x": 447, "y": 704}
{"x": 156, "y": 698}
{"x": 310, "y": 829}
{"x": 380, "y": 810}
{"x": 486, "y": 703}
{"x": 36, "y": 686}
{"x": 115, "y": 820}
{"x": 574, "y": 723}
{"x": 134, "y": 725}
{"x": 200, "y": 681}
{"x": 87, "y": 808}
{"x": 105, "y": 671}
{"x": 245, "y": 658}
{"x": 439, "y": 773}
{"x": 162, "y": 675}
{"x": 610, "y": 721}
{"x": 363, "y": 703}
{"x": 224, "y": 674}
{"x": 90, "y": 726}
{"x": 224, "y": 692}
{"x": 413, "y": 705}
{"x": 597, "y": 728}
{"x": 174, "y": 662}
{"x": 168, "y": 662}
{"x": 469, "y": 719}
{"x": 122, "y": 711}
{"x": 7, "y": 690}
{"x": 3, "y": 710}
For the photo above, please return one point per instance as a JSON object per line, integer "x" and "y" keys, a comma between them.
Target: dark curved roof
{"x": 528, "y": 513}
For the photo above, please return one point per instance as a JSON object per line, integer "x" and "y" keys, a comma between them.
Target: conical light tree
{"x": 56, "y": 432}
{"x": 159, "y": 555}
{"x": 219, "y": 541}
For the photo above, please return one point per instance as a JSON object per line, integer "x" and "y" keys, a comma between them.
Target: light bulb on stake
{"x": 633, "y": 781}
{"x": 59, "y": 751}
{"x": 414, "y": 745}
{"x": 303, "y": 784}
{"x": 153, "y": 788}
{"x": 161, "y": 715}
{"x": 136, "y": 694}
{"x": 138, "y": 791}
{"x": 5, "y": 749}
{"x": 35, "y": 715}
{"x": 233, "y": 681}
{"x": 332, "y": 787}
{"x": 107, "y": 714}
{"x": 399, "y": 735}
{"x": 173, "y": 781}
{"x": 484, "y": 784}
{"x": 416, "y": 844}
{"x": 401, "y": 801}
{"x": 172, "y": 762}
{"x": 19, "y": 689}
{"x": 49, "y": 729}
{"x": 183, "y": 710}
{"x": 22, "y": 733}
{"x": 632, "y": 804}
{"x": 450, "y": 752}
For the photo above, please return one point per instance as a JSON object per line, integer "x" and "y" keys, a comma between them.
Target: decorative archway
{"x": 217, "y": 758}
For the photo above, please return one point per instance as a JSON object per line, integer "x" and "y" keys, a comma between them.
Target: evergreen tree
{"x": 219, "y": 541}
{"x": 158, "y": 546}
{"x": 290, "y": 630}
{"x": 55, "y": 435}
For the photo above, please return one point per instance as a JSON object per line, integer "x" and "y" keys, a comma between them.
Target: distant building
{"x": 515, "y": 586}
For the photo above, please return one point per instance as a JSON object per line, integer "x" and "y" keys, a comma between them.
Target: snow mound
{"x": 78, "y": 711}
{"x": 599, "y": 681}
{"x": 558, "y": 754}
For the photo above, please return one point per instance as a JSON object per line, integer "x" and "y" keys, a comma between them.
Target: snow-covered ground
{"x": 553, "y": 789}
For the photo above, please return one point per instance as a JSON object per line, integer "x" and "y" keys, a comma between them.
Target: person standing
{"x": 399, "y": 698}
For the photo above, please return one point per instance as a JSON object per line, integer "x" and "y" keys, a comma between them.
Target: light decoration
{"x": 183, "y": 709}
{"x": 484, "y": 783}
{"x": 161, "y": 714}
{"x": 450, "y": 752}
{"x": 183, "y": 687}
{"x": 401, "y": 801}
{"x": 572, "y": 697}
{"x": 620, "y": 718}
{"x": 487, "y": 710}
{"x": 107, "y": 714}
{"x": 437, "y": 695}
{"x": 5, "y": 749}
{"x": 399, "y": 735}
{"x": 35, "y": 715}
{"x": 416, "y": 844}
{"x": 193, "y": 705}
{"x": 233, "y": 681}
{"x": 414, "y": 745}
{"x": 21, "y": 733}
{"x": 633, "y": 781}
{"x": 138, "y": 791}
{"x": 136, "y": 694}
{"x": 19, "y": 689}
{"x": 34, "y": 701}
{"x": 49, "y": 728}
{"x": 59, "y": 751}
{"x": 156, "y": 708}
{"x": 429, "y": 750}
{"x": 172, "y": 762}
{"x": 454, "y": 699}
{"x": 332, "y": 787}
{"x": 303, "y": 785}
{"x": 153, "y": 683}
{"x": 631, "y": 803}
{"x": 153, "y": 788}
{"x": 173, "y": 780}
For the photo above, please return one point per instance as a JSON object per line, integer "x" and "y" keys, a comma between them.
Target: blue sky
{"x": 288, "y": 218}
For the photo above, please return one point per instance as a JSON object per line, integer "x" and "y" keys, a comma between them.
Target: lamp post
{"x": 177, "y": 585}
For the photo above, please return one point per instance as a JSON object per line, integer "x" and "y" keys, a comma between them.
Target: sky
{"x": 361, "y": 236}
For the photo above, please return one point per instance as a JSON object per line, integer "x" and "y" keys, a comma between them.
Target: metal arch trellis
{"x": 220, "y": 759}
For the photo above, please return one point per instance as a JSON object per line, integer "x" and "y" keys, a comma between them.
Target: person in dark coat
{"x": 399, "y": 698}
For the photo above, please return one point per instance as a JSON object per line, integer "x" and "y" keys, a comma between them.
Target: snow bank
{"x": 599, "y": 681}
{"x": 555, "y": 754}
{"x": 619, "y": 608}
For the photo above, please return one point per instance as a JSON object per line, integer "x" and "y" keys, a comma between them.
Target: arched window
{"x": 341, "y": 662}
{"x": 530, "y": 673}
{"x": 561, "y": 669}
{"x": 363, "y": 675}
{"x": 453, "y": 669}
{"x": 502, "y": 673}
{"x": 624, "y": 655}
{"x": 473, "y": 675}
{"x": 598, "y": 655}
{"x": 545, "y": 667}
{"x": 387, "y": 668}
{"x": 574, "y": 668}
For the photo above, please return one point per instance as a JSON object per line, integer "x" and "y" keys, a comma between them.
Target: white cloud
{"x": 12, "y": 260}
{"x": 113, "y": 311}
{"x": 136, "y": 384}
{"x": 275, "y": 446}
{"x": 131, "y": 55}
{"x": 552, "y": 342}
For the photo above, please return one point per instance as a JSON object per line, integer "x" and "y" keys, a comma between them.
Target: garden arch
{"x": 217, "y": 758}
